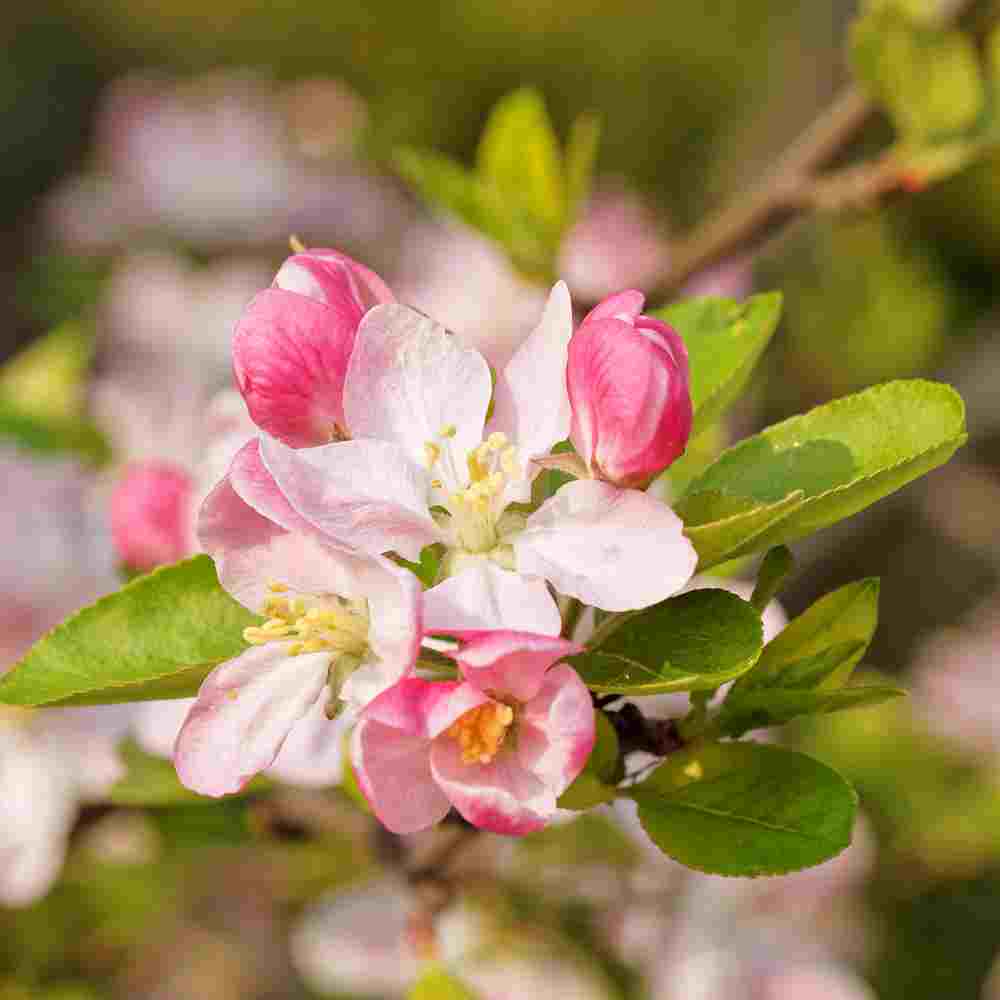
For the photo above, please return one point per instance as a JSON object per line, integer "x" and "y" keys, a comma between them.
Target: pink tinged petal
{"x": 510, "y": 664}
{"x": 243, "y": 714}
{"x": 502, "y": 796}
{"x": 329, "y": 276}
{"x": 290, "y": 356}
{"x": 423, "y": 708}
{"x": 408, "y": 380}
{"x": 531, "y": 403}
{"x": 611, "y": 548}
{"x": 150, "y": 515}
{"x": 250, "y": 551}
{"x": 364, "y": 494}
{"x": 625, "y": 306}
{"x": 629, "y": 390}
{"x": 313, "y": 754}
{"x": 394, "y": 774}
{"x": 254, "y": 484}
{"x": 394, "y": 598}
{"x": 484, "y": 596}
{"x": 556, "y": 730}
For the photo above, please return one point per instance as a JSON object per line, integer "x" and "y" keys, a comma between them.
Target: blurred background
{"x": 155, "y": 160}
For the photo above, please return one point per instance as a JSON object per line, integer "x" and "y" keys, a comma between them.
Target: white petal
{"x": 364, "y": 494}
{"x": 612, "y": 548}
{"x": 313, "y": 754}
{"x": 484, "y": 596}
{"x": 408, "y": 379}
{"x": 532, "y": 403}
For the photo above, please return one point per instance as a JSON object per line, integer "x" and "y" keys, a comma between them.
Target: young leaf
{"x": 596, "y": 783}
{"x": 581, "y": 156}
{"x": 437, "y": 983}
{"x": 157, "y": 637}
{"x": 777, "y": 564}
{"x": 774, "y": 706}
{"x": 693, "y": 642}
{"x": 746, "y": 809}
{"x": 839, "y": 625}
{"x": 725, "y": 339}
{"x": 720, "y": 527}
{"x": 54, "y": 435}
{"x": 444, "y": 184}
{"x": 519, "y": 157}
{"x": 843, "y": 456}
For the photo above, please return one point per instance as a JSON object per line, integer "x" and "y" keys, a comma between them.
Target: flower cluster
{"x": 385, "y": 440}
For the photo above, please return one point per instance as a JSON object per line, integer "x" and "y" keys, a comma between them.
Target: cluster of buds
{"x": 384, "y": 434}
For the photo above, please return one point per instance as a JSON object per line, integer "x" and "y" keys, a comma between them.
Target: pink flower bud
{"x": 628, "y": 384}
{"x": 293, "y": 343}
{"x": 151, "y": 516}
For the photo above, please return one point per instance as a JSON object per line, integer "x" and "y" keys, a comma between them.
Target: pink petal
{"x": 423, "y": 708}
{"x": 556, "y": 730}
{"x": 254, "y": 484}
{"x": 394, "y": 774}
{"x": 243, "y": 714}
{"x": 625, "y": 306}
{"x": 151, "y": 515}
{"x": 331, "y": 277}
{"x": 502, "y": 796}
{"x": 484, "y": 596}
{"x": 290, "y": 356}
{"x": 531, "y": 403}
{"x": 313, "y": 754}
{"x": 408, "y": 380}
{"x": 611, "y": 548}
{"x": 363, "y": 494}
{"x": 510, "y": 664}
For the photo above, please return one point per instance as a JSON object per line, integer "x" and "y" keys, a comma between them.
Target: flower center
{"x": 480, "y": 732}
{"x": 316, "y": 624}
{"x": 474, "y": 501}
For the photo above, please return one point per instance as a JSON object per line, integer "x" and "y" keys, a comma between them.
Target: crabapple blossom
{"x": 339, "y": 625}
{"x": 149, "y": 514}
{"x": 437, "y": 456}
{"x": 500, "y": 746}
{"x": 628, "y": 383}
{"x": 293, "y": 343}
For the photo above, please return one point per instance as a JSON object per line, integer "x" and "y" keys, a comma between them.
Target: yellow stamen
{"x": 480, "y": 732}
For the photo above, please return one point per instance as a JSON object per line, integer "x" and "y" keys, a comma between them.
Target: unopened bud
{"x": 628, "y": 384}
{"x": 293, "y": 343}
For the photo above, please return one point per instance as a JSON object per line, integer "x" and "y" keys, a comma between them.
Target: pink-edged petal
{"x": 611, "y": 548}
{"x": 502, "y": 796}
{"x": 423, "y": 708}
{"x": 394, "y": 774}
{"x": 253, "y": 482}
{"x": 329, "y": 276}
{"x": 556, "y": 730}
{"x": 364, "y": 494}
{"x": 625, "y": 306}
{"x": 484, "y": 596}
{"x": 531, "y": 404}
{"x": 510, "y": 664}
{"x": 409, "y": 380}
{"x": 243, "y": 714}
{"x": 395, "y": 629}
{"x": 250, "y": 551}
{"x": 290, "y": 356}
{"x": 313, "y": 754}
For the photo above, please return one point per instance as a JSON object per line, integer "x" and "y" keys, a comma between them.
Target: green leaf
{"x": 721, "y": 527}
{"x": 843, "y": 456}
{"x": 152, "y": 781}
{"x": 774, "y": 706}
{"x": 519, "y": 156}
{"x": 693, "y": 642}
{"x": 596, "y": 783}
{"x": 927, "y": 77}
{"x": 777, "y": 564}
{"x": 157, "y": 637}
{"x": 725, "y": 339}
{"x": 746, "y": 809}
{"x": 54, "y": 435}
{"x": 437, "y": 983}
{"x": 444, "y": 184}
{"x": 581, "y": 157}
{"x": 841, "y": 623}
